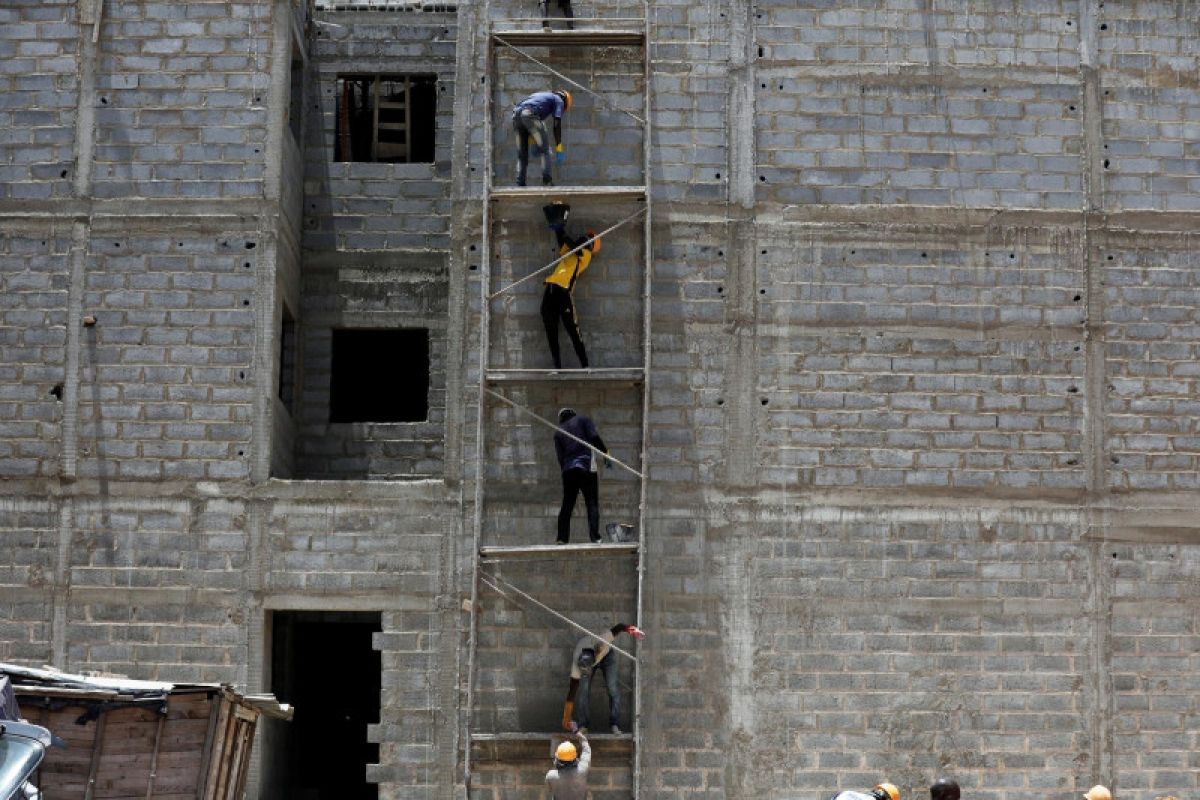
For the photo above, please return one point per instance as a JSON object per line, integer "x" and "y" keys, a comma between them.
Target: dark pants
{"x": 565, "y": 5}
{"x": 576, "y": 481}
{"x": 527, "y": 126}
{"x": 557, "y": 305}
{"x": 608, "y": 665}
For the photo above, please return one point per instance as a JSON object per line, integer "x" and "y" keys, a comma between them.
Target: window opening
{"x": 287, "y": 360}
{"x": 379, "y": 375}
{"x": 388, "y": 118}
{"x": 323, "y": 663}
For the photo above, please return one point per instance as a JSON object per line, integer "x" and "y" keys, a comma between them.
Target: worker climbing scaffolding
{"x": 529, "y": 124}
{"x": 558, "y": 300}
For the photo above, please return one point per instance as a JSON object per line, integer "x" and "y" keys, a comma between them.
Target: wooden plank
{"x": 551, "y": 551}
{"x": 208, "y": 764}
{"x": 589, "y": 193}
{"x": 154, "y": 758}
{"x": 576, "y": 38}
{"x": 593, "y": 375}
{"x": 94, "y": 767}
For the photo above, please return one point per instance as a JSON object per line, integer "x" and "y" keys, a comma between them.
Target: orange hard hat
{"x": 566, "y": 753}
{"x": 566, "y": 98}
{"x": 594, "y": 244}
{"x": 890, "y": 788}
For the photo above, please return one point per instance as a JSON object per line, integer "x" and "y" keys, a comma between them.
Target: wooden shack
{"x": 141, "y": 739}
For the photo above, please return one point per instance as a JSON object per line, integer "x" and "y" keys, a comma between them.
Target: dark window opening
{"x": 379, "y": 376}
{"x": 287, "y": 361}
{"x": 324, "y": 665}
{"x": 389, "y": 118}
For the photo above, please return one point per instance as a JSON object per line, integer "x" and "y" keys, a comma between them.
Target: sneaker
{"x": 595, "y": 539}
{"x": 560, "y": 541}
{"x": 547, "y": 180}
{"x": 545, "y": 28}
{"x": 616, "y": 729}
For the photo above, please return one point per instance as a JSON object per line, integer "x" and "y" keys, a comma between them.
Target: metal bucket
{"x": 620, "y": 532}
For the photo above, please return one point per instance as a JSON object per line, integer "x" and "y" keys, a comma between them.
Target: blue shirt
{"x": 543, "y": 104}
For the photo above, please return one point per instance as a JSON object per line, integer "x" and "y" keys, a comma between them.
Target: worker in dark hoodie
{"x": 578, "y": 463}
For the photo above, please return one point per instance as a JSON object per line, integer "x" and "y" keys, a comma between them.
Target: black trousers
{"x": 557, "y": 305}
{"x": 576, "y": 481}
{"x": 565, "y": 5}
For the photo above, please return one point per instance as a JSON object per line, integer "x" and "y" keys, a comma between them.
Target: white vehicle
{"x": 22, "y": 747}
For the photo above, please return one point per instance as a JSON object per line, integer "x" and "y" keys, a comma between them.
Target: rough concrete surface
{"x": 923, "y": 432}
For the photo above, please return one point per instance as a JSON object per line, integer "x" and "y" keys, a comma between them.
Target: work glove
{"x": 568, "y": 724}
{"x": 559, "y": 155}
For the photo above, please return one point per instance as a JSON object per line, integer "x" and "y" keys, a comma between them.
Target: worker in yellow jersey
{"x": 558, "y": 304}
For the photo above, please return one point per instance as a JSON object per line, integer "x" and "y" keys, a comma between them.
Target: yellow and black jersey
{"x": 567, "y": 271}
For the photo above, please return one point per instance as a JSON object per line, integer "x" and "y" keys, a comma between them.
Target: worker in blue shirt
{"x": 529, "y": 123}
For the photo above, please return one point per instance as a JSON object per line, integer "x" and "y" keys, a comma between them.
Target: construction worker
{"x": 578, "y": 464}
{"x": 568, "y": 779}
{"x": 590, "y": 655}
{"x": 558, "y": 300}
{"x": 564, "y": 6}
{"x": 881, "y": 791}
{"x": 1098, "y": 792}
{"x": 944, "y": 789}
{"x": 529, "y": 123}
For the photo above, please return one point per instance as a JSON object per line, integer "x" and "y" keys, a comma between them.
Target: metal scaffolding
{"x": 516, "y": 35}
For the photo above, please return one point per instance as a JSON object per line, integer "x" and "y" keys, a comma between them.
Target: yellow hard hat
{"x": 1098, "y": 792}
{"x": 565, "y": 753}
{"x": 566, "y": 97}
{"x": 891, "y": 790}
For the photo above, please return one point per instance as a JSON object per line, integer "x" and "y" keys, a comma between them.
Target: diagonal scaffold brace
{"x": 495, "y": 582}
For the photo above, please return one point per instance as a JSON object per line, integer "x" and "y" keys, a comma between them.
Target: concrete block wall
{"x": 32, "y": 349}
{"x": 182, "y": 99}
{"x": 608, "y": 296}
{"x": 1151, "y": 331}
{"x": 40, "y": 90}
{"x": 524, "y": 653}
{"x": 169, "y": 361}
{"x": 524, "y": 485}
{"x": 885, "y": 536}
{"x": 602, "y": 145}
{"x": 391, "y": 293}
{"x": 360, "y": 206}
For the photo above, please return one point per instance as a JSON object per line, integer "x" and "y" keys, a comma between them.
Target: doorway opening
{"x": 323, "y": 664}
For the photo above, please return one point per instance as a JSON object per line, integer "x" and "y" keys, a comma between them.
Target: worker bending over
{"x": 590, "y": 655}
{"x": 529, "y": 123}
{"x": 558, "y": 299}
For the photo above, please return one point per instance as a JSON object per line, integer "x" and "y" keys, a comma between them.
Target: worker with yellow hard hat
{"x": 529, "y": 124}
{"x": 1098, "y": 792}
{"x": 881, "y": 791}
{"x": 568, "y": 778}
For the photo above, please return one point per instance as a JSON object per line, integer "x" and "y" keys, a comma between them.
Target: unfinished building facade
{"x": 894, "y": 332}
